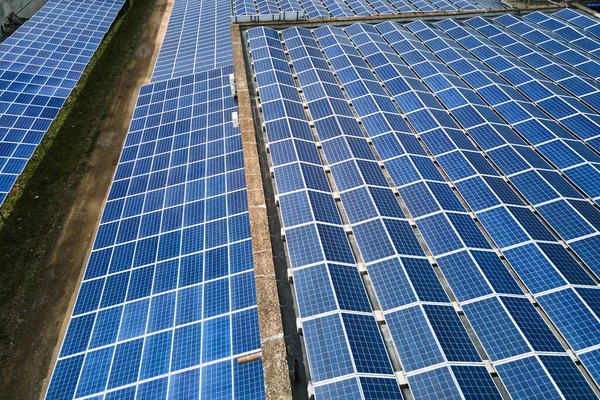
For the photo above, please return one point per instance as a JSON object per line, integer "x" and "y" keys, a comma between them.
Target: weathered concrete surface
{"x": 275, "y": 366}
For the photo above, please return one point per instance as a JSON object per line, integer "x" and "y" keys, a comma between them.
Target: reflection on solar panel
{"x": 197, "y": 39}
{"x": 168, "y": 299}
{"x": 580, "y": 20}
{"x": 464, "y": 145}
{"x": 39, "y": 66}
{"x": 566, "y": 210}
{"x": 351, "y": 8}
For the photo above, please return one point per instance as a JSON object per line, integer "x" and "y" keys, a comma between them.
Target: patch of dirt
{"x": 48, "y": 290}
{"x": 107, "y": 139}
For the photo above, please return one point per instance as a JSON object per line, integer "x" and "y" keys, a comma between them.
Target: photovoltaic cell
{"x": 361, "y": 177}
{"x": 340, "y": 332}
{"x": 476, "y": 124}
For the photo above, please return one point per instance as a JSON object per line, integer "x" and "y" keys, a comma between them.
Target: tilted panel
{"x": 559, "y": 145}
{"x": 485, "y": 269}
{"x": 343, "y": 343}
{"x": 421, "y": 322}
{"x": 351, "y": 8}
{"x": 587, "y": 23}
{"x": 561, "y": 205}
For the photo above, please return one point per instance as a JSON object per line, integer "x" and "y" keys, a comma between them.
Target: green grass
{"x": 45, "y": 192}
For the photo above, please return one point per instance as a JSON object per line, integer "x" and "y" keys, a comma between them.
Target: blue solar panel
{"x": 581, "y": 20}
{"x": 338, "y": 343}
{"x": 563, "y": 215}
{"x": 566, "y": 31}
{"x": 437, "y": 383}
{"x": 526, "y": 377}
{"x": 168, "y": 298}
{"x": 358, "y": 182}
{"x": 474, "y": 382}
{"x": 440, "y": 323}
{"x": 345, "y": 389}
{"x": 497, "y": 331}
{"x": 197, "y": 39}
{"x": 39, "y": 66}
{"x": 565, "y": 152}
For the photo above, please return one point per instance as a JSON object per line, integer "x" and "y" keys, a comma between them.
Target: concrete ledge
{"x": 274, "y": 354}
{"x": 273, "y": 365}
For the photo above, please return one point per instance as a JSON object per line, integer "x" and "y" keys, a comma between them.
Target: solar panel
{"x": 491, "y": 342}
{"x": 40, "y": 64}
{"x": 168, "y": 299}
{"x": 506, "y": 234}
{"x": 556, "y": 68}
{"x": 362, "y": 188}
{"x": 579, "y": 19}
{"x": 197, "y": 39}
{"x": 414, "y": 108}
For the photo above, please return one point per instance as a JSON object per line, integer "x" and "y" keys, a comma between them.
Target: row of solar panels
{"x": 351, "y": 8}
{"x": 197, "y": 39}
{"x": 39, "y": 66}
{"x": 481, "y": 135}
{"x": 168, "y": 299}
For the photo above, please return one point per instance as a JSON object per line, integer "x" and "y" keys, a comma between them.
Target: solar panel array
{"x": 168, "y": 300}
{"x": 437, "y": 185}
{"x": 352, "y": 8}
{"x": 39, "y": 66}
{"x": 198, "y": 39}
{"x": 456, "y": 165}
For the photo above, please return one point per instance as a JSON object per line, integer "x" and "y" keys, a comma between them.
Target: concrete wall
{"x": 10, "y": 6}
